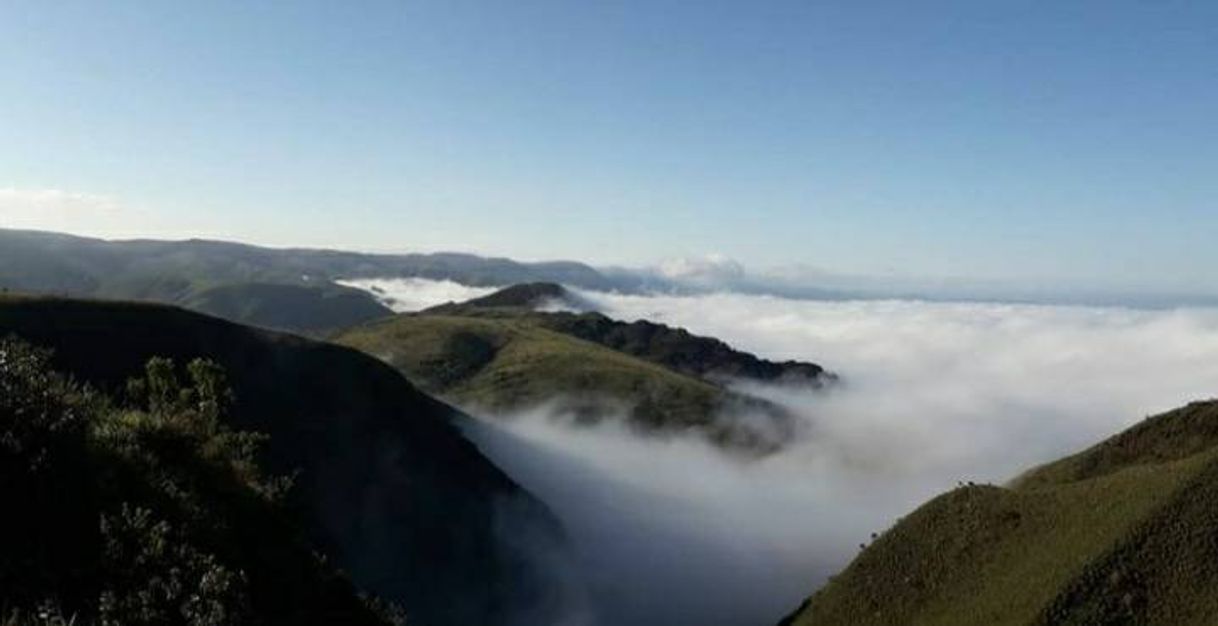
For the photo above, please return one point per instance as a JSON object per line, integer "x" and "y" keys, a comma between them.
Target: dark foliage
{"x": 387, "y": 487}
{"x": 147, "y": 511}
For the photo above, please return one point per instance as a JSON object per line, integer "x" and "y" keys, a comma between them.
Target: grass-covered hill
{"x": 203, "y": 275}
{"x": 674, "y": 348}
{"x": 390, "y": 491}
{"x": 497, "y": 354}
{"x": 497, "y": 365}
{"x": 1125, "y": 532}
{"x": 523, "y": 296}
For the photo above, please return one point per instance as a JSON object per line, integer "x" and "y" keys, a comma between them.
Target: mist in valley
{"x": 674, "y": 530}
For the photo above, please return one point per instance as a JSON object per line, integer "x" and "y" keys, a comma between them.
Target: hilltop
{"x": 673, "y": 348}
{"x": 524, "y": 296}
{"x": 497, "y": 354}
{"x": 1125, "y": 532}
{"x": 389, "y": 489}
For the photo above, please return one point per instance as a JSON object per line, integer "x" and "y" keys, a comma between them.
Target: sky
{"x": 1043, "y": 142}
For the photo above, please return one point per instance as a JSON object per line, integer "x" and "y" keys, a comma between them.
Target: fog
{"x": 415, "y": 294}
{"x": 675, "y": 531}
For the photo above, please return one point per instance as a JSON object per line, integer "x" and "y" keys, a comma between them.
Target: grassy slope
{"x": 509, "y": 362}
{"x": 1125, "y": 532}
{"x": 677, "y": 349}
{"x": 394, "y": 494}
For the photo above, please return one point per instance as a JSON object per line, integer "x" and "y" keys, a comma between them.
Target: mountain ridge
{"x": 184, "y": 272}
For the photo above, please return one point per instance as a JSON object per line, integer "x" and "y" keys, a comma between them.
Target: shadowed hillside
{"x": 318, "y": 310}
{"x": 393, "y": 494}
{"x": 147, "y": 509}
{"x": 1125, "y": 532}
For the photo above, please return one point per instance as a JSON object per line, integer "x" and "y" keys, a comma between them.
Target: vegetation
{"x": 523, "y": 296}
{"x": 149, "y": 511}
{"x": 503, "y": 364}
{"x": 673, "y": 348}
{"x": 384, "y": 484}
{"x": 1123, "y": 533}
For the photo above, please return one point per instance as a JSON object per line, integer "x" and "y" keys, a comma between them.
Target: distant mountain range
{"x": 288, "y": 289}
{"x": 189, "y": 273}
{"x": 1125, "y": 532}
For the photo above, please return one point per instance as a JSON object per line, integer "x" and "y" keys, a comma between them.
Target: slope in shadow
{"x": 394, "y": 494}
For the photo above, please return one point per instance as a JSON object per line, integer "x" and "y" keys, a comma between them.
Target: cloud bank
{"x": 405, "y": 295}
{"x": 718, "y": 273}
{"x": 674, "y": 531}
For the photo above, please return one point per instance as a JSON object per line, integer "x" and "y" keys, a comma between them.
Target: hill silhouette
{"x": 390, "y": 490}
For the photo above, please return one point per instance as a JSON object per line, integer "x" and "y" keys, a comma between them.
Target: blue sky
{"x": 1043, "y": 142}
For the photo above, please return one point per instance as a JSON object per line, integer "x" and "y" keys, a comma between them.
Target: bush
{"x": 152, "y": 512}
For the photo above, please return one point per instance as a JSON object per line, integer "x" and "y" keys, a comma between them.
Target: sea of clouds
{"x": 675, "y": 531}
{"x": 415, "y": 294}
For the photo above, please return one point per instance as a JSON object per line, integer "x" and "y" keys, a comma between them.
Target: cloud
{"x": 713, "y": 270}
{"x": 672, "y": 530}
{"x": 716, "y": 273}
{"x": 415, "y": 294}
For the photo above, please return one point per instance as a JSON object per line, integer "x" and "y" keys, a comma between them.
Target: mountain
{"x": 497, "y": 355}
{"x": 186, "y": 273}
{"x": 392, "y": 492}
{"x": 527, "y": 296}
{"x": 1125, "y": 532}
{"x": 673, "y": 348}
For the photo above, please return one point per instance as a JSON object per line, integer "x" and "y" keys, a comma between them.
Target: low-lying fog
{"x": 674, "y": 531}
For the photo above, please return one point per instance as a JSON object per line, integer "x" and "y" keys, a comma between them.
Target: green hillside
{"x": 1125, "y": 532}
{"x": 674, "y": 348}
{"x": 389, "y": 490}
{"x": 507, "y": 363}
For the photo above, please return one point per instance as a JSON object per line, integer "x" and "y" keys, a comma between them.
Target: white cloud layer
{"x": 405, "y": 295}
{"x": 673, "y": 531}
{"x": 713, "y": 270}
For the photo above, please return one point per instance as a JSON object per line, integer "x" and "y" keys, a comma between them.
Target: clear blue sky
{"x": 1043, "y": 141}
